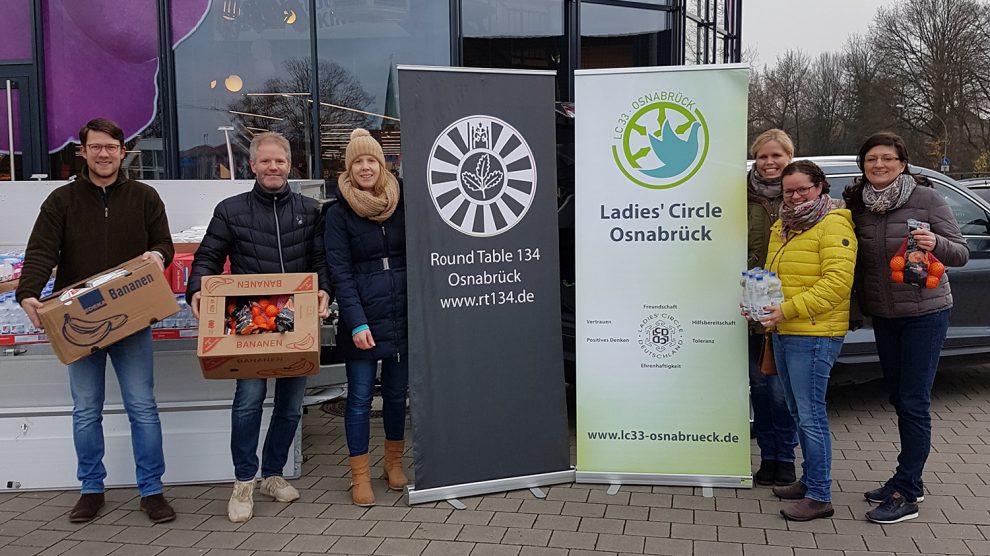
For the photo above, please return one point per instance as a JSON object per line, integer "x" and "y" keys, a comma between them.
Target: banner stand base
{"x": 414, "y": 496}
{"x": 718, "y": 481}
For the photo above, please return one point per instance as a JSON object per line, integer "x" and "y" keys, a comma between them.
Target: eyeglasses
{"x": 802, "y": 191}
{"x": 95, "y": 148}
{"x": 870, "y": 160}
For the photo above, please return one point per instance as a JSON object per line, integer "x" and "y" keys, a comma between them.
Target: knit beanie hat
{"x": 363, "y": 143}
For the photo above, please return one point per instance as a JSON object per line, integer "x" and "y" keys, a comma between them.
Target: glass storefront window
{"x": 15, "y": 28}
{"x": 101, "y": 61}
{"x": 613, "y": 36}
{"x": 359, "y": 44}
{"x": 522, "y": 34}
{"x": 10, "y": 133}
{"x": 694, "y": 42}
{"x": 512, "y": 18}
{"x": 244, "y": 66}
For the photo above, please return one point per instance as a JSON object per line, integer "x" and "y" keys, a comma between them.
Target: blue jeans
{"x": 245, "y": 425}
{"x": 772, "y": 421}
{"x": 361, "y": 388}
{"x": 909, "y": 349}
{"x": 803, "y": 365}
{"x": 133, "y": 363}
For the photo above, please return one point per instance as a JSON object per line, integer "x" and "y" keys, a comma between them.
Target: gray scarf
{"x": 891, "y": 197}
{"x": 768, "y": 189}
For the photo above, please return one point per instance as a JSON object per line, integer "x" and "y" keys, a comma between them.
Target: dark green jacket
{"x": 84, "y": 229}
{"x": 761, "y": 213}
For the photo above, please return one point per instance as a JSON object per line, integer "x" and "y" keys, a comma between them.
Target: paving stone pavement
{"x": 575, "y": 520}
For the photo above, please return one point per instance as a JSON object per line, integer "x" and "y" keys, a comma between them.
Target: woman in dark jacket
{"x": 909, "y": 321}
{"x": 366, "y": 248}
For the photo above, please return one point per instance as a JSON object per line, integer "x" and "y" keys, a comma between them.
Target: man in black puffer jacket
{"x": 268, "y": 230}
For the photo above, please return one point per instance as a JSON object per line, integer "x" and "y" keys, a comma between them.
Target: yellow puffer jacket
{"x": 816, "y": 269}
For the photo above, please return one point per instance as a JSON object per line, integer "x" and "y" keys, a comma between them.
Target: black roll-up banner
{"x": 485, "y": 351}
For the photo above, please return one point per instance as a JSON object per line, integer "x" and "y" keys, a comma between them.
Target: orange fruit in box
{"x": 271, "y": 310}
{"x": 260, "y": 320}
{"x": 897, "y": 276}
{"x": 897, "y": 263}
{"x": 932, "y": 281}
{"x": 936, "y": 269}
{"x": 264, "y": 303}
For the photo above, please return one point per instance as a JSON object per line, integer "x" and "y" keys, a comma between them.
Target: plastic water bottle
{"x": 750, "y": 300}
{"x": 743, "y": 299}
{"x": 761, "y": 297}
{"x": 6, "y": 316}
{"x": 775, "y": 290}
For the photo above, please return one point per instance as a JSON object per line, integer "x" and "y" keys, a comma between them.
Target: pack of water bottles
{"x": 13, "y": 320}
{"x": 760, "y": 288}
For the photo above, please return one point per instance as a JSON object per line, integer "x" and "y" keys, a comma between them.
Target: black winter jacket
{"x": 262, "y": 233}
{"x": 369, "y": 291}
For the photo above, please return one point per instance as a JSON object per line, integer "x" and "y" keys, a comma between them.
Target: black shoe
{"x": 894, "y": 510}
{"x": 785, "y": 473}
{"x": 768, "y": 468}
{"x": 157, "y": 508}
{"x": 86, "y": 508}
{"x": 880, "y": 495}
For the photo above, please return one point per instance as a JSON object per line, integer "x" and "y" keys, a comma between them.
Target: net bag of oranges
{"x": 913, "y": 265}
{"x": 257, "y": 315}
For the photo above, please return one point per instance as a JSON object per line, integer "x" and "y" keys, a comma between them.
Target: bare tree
{"x": 922, "y": 70}
{"x": 825, "y": 105}
{"x": 934, "y": 51}
{"x": 280, "y": 107}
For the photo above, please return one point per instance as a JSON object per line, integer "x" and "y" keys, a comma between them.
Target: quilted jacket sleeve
{"x": 950, "y": 247}
{"x": 319, "y": 254}
{"x": 212, "y": 252}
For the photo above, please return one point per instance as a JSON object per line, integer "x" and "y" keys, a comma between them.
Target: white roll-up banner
{"x": 661, "y": 239}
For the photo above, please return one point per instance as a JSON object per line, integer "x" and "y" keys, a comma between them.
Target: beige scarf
{"x": 374, "y": 205}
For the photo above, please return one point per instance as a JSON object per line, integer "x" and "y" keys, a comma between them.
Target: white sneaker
{"x": 279, "y": 489}
{"x": 240, "y": 508}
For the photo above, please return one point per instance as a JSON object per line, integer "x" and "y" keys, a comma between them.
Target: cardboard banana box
{"x": 106, "y": 308}
{"x": 266, "y": 355}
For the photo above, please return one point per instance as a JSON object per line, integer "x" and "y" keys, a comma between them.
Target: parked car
{"x": 980, "y": 186}
{"x": 969, "y": 325}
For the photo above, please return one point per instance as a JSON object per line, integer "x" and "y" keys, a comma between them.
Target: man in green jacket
{"x": 96, "y": 222}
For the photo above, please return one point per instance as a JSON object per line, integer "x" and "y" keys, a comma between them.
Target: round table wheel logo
{"x": 482, "y": 176}
{"x": 660, "y": 335}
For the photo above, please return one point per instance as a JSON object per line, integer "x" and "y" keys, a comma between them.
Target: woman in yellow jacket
{"x": 813, "y": 250}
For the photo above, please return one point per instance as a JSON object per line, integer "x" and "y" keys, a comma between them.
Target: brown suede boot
{"x": 392, "y": 467}
{"x": 86, "y": 508}
{"x": 793, "y": 491}
{"x": 361, "y": 493}
{"x": 807, "y": 509}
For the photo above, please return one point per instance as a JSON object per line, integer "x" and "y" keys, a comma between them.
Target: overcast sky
{"x": 814, "y": 26}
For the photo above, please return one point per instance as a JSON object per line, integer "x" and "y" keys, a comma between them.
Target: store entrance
{"x": 18, "y": 153}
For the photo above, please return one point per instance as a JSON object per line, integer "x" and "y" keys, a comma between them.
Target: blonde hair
{"x": 777, "y": 135}
{"x": 270, "y": 137}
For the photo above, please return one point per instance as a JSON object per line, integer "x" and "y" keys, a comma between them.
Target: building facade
{"x": 186, "y": 77}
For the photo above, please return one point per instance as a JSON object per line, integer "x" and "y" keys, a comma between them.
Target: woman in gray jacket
{"x": 909, "y": 321}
